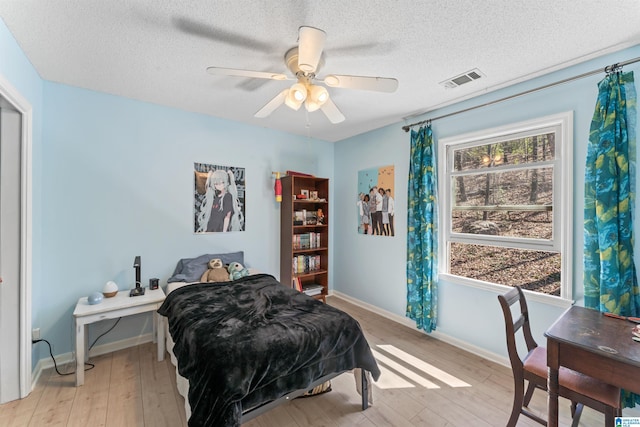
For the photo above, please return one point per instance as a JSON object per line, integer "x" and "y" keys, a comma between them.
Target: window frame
{"x": 561, "y": 242}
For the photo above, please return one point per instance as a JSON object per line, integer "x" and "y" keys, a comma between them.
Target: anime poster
{"x": 376, "y": 201}
{"x": 218, "y": 198}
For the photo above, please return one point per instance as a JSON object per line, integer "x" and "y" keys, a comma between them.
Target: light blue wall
{"x": 118, "y": 182}
{"x": 113, "y": 178}
{"x": 376, "y": 273}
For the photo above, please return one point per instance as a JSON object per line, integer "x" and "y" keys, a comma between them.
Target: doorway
{"x": 15, "y": 243}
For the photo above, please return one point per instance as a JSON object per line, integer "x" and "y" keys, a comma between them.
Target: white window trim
{"x": 563, "y": 202}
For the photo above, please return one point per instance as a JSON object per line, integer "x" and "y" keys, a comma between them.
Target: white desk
{"x": 110, "y": 308}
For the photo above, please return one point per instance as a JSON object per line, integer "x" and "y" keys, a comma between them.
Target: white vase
{"x": 110, "y": 289}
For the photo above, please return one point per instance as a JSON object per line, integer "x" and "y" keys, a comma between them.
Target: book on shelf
{"x": 312, "y": 289}
{"x": 299, "y": 217}
{"x": 311, "y": 218}
{"x": 305, "y": 263}
{"x": 296, "y": 284}
{"x": 306, "y": 217}
{"x": 306, "y": 240}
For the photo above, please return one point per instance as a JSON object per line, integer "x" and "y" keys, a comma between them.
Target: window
{"x": 506, "y": 206}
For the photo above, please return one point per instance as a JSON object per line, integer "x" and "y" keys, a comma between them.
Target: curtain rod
{"x": 608, "y": 69}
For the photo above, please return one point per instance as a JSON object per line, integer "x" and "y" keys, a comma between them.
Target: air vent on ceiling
{"x": 463, "y": 78}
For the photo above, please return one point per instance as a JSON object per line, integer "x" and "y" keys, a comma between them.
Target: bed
{"x": 242, "y": 347}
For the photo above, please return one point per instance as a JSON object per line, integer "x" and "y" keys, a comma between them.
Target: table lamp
{"x": 138, "y": 290}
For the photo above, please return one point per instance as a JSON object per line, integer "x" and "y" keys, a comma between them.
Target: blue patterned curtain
{"x": 422, "y": 243}
{"x": 610, "y": 283}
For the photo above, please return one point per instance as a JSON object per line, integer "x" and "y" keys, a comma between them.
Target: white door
{"x": 10, "y": 252}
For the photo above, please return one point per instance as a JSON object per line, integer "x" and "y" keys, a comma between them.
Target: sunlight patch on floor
{"x": 389, "y": 379}
{"x": 423, "y": 366}
{"x": 408, "y": 373}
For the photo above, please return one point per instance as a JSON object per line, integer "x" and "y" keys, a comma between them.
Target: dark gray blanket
{"x": 247, "y": 342}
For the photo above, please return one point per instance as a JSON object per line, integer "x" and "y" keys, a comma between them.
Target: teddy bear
{"x": 236, "y": 271}
{"x": 216, "y": 272}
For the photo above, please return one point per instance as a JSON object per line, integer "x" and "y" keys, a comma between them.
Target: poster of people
{"x": 376, "y": 203}
{"x": 218, "y": 198}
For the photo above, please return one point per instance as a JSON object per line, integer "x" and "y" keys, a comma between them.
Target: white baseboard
{"x": 66, "y": 358}
{"x": 404, "y": 321}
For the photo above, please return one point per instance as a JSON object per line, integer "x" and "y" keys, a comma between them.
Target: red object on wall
{"x": 277, "y": 188}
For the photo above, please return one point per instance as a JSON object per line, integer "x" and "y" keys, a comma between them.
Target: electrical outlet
{"x": 35, "y": 334}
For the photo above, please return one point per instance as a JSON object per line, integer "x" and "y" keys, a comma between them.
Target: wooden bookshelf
{"x": 304, "y": 240}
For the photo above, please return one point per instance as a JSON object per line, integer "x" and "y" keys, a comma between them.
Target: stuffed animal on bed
{"x": 216, "y": 272}
{"x": 236, "y": 271}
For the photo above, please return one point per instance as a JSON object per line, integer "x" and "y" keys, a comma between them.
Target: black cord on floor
{"x": 91, "y": 365}
{"x": 104, "y": 333}
{"x": 54, "y": 359}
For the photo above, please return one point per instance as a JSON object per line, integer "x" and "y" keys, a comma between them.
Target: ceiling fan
{"x": 304, "y": 61}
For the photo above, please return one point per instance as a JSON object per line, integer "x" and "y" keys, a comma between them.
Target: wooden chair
{"x": 578, "y": 388}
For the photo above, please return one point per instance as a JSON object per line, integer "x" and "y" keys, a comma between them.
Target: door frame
{"x": 11, "y": 94}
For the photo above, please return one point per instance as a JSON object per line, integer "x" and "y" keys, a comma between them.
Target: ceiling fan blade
{"x": 310, "y": 45}
{"x": 271, "y": 106}
{"x": 332, "y": 112}
{"x": 377, "y": 84}
{"x": 218, "y": 71}
{"x": 206, "y": 30}
{"x": 363, "y": 49}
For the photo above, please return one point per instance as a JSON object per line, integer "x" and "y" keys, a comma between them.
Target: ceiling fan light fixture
{"x": 311, "y": 106}
{"x": 292, "y": 103}
{"x": 296, "y": 96}
{"x": 318, "y": 95}
{"x": 298, "y": 91}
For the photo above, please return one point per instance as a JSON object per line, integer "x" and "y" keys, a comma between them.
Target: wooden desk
{"x": 587, "y": 341}
{"x": 110, "y": 308}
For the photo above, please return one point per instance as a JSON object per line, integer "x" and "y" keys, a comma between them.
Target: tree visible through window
{"x": 502, "y": 195}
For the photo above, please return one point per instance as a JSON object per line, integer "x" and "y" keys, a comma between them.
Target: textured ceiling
{"x": 158, "y": 51}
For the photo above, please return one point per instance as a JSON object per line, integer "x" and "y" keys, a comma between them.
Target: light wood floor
{"x": 131, "y": 388}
